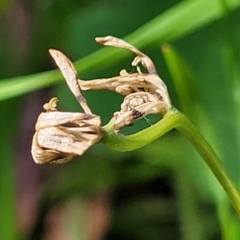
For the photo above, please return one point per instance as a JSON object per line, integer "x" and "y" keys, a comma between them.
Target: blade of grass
{"x": 176, "y": 22}
{"x": 183, "y": 81}
{"x": 185, "y": 85}
{"x": 182, "y": 77}
{"x": 7, "y": 172}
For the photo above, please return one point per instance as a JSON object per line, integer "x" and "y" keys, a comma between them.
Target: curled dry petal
{"x": 41, "y": 155}
{"x": 56, "y": 118}
{"x": 51, "y": 105}
{"x": 136, "y": 106}
{"x": 70, "y": 74}
{"x": 137, "y": 99}
{"x": 68, "y": 140}
{"x": 129, "y": 83}
{"x": 128, "y": 118}
{"x": 62, "y": 135}
{"x": 119, "y": 43}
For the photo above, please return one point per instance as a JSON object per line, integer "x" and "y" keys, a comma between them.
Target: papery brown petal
{"x": 136, "y": 106}
{"x": 124, "y": 85}
{"x": 141, "y": 57}
{"x": 128, "y": 84}
{"x": 70, "y": 74}
{"x": 42, "y": 156}
{"x": 128, "y": 118}
{"x": 50, "y": 119}
{"x": 56, "y": 139}
{"x": 62, "y": 135}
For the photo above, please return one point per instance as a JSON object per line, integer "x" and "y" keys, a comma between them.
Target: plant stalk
{"x": 175, "y": 119}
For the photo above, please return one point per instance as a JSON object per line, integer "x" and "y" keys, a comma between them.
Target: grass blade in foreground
{"x": 162, "y": 28}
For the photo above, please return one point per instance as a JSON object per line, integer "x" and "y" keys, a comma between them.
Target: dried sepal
{"x": 70, "y": 74}
{"x": 62, "y": 135}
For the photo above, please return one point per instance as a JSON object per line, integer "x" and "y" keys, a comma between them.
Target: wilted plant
{"x": 62, "y": 135}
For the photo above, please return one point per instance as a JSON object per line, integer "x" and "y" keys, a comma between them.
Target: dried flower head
{"x": 62, "y": 135}
{"x": 130, "y": 83}
{"x": 135, "y": 106}
{"x": 145, "y": 92}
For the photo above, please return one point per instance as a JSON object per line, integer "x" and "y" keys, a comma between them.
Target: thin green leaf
{"x": 183, "y": 78}
{"x": 179, "y": 20}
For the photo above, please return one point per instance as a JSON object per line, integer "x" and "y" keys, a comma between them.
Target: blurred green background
{"x": 162, "y": 191}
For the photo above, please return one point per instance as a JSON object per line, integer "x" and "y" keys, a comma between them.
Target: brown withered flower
{"x": 62, "y": 135}
{"x": 146, "y": 93}
{"x": 135, "y": 106}
{"x": 127, "y": 83}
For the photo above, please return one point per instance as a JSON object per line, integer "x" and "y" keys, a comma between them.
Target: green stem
{"x": 211, "y": 159}
{"x": 122, "y": 143}
{"x": 175, "y": 119}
